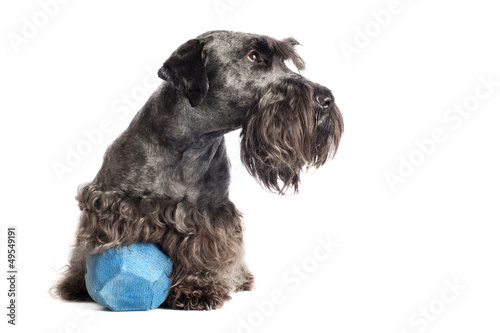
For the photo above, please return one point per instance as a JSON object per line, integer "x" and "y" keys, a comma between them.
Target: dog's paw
{"x": 196, "y": 298}
{"x": 248, "y": 283}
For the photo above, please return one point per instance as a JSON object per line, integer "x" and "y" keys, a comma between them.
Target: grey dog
{"x": 165, "y": 179}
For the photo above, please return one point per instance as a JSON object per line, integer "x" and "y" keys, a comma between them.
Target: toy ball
{"x": 129, "y": 278}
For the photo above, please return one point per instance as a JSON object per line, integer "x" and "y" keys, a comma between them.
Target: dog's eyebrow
{"x": 262, "y": 46}
{"x": 284, "y": 49}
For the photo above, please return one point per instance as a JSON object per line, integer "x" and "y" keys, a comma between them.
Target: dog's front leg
{"x": 208, "y": 263}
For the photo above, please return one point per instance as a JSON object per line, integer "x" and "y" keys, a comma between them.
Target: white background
{"x": 397, "y": 247}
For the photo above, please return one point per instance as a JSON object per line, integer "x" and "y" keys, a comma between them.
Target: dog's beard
{"x": 287, "y": 132}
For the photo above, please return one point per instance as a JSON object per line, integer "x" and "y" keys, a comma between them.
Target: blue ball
{"x": 129, "y": 278}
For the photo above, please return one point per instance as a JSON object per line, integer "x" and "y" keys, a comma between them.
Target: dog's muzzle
{"x": 294, "y": 125}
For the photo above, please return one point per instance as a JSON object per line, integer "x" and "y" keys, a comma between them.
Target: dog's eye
{"x": 254, "y": 56}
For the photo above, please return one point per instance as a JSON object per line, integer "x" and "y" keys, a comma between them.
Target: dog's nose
{"x": 324, "y": 100}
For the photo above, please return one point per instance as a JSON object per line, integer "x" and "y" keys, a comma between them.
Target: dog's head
{"x": 288, "y": 122}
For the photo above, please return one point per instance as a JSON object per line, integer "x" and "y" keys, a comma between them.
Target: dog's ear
{"x": 185, "y": 70}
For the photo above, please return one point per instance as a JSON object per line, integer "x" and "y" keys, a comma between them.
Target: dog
{"x": 166, "y": 178}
